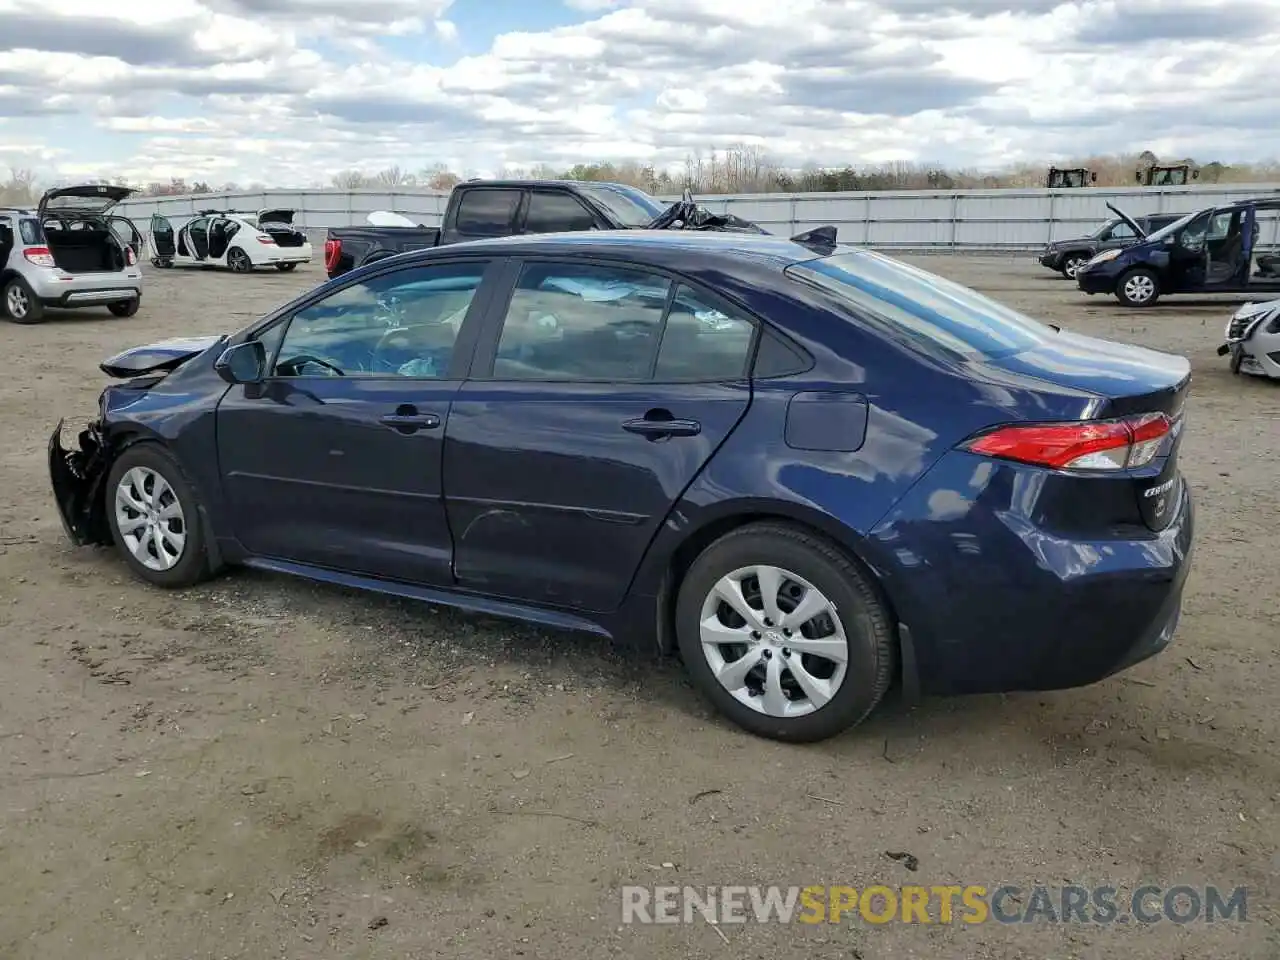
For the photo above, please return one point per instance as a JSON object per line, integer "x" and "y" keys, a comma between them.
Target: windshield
{"x": 628, "y": 206}
{"x": 922, "y": 305}
{"x": 1097, "y": 234}
{"x": 1176, "y": 225}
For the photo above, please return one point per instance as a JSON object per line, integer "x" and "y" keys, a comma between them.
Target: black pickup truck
{"x": 503, "y": 208}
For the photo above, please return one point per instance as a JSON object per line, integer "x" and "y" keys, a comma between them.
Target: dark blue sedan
{"x": 810, "y": 470}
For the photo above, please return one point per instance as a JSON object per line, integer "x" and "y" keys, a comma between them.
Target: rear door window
{"x": 487, "y": 213}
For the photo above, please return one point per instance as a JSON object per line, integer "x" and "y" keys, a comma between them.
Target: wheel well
{"x": 688, "y": 551}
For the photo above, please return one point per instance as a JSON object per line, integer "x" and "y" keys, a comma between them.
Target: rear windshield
{"x": 922, "y": 306}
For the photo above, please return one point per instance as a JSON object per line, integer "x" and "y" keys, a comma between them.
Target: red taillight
{"x": 1083, "y": 445}
{"x": 266, "y": 239}
{"x": 40, "y": 256}
{"x": 332, "y": 251}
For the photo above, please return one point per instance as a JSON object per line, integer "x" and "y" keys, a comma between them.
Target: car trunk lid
{"x": 1130, "y": 382}
{"x": 276, "y": 215}
{"x": 89, "y": 198}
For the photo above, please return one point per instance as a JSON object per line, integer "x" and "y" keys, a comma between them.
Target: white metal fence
{"x": 977, "y": 220}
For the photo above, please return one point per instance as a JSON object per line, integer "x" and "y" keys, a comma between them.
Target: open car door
{"x": 163, "y": 242}
{"x": 127, "y": 233}
{"x": 1133, "y": 224}
{"x": 196, "y": 238}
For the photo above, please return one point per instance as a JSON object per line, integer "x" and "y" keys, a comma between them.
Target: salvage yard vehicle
{"x": 69, "y": 253}
{"x": 501, "y": 208}
{"x": 237, "y": 241}
{"x": 1252, "y": 340}
{"x": 808, "y": 468}
{"x": 1068, "y": 256}
{"x": 1209, "y": 251}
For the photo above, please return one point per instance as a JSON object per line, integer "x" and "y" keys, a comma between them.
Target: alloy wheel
{"x": 239, "y": 261}
{"x": 150, "y": 519}
{"x": 774, "y": 641}
{"x": 1072, "y": 267}
{"x": 17, "y": 302}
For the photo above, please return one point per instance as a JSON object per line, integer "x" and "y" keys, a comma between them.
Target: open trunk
{"x": 278, "y": 225}
{"x": 84, "y": 251}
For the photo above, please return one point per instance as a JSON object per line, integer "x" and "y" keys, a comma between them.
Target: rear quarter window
{"x": 910, "y": 303}
{"x": 30, "y": 231}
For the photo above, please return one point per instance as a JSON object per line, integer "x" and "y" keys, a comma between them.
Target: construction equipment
{"x": 1173, "y": 175}
{"x": 1072, "y": 177}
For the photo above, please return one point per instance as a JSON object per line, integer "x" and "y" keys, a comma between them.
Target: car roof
{"x": 526, "y": 184}
{"x": 654, "y": 247}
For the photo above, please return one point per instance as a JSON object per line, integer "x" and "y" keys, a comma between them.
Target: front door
{"x": 336, "y": 459}
{"x": 594, "y": 403}
{"x": 162, "y": 240}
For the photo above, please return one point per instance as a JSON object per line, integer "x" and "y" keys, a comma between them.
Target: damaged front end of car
{"x": 77, "y": 477}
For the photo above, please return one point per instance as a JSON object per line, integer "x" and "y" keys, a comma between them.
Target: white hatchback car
{"x": 69, "y": 252}
{"x": 236, "y": 241}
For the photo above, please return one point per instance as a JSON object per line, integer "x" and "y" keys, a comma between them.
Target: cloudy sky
{"x": 287, "y": 92}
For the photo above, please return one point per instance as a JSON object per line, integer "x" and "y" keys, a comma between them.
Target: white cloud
{"x": 290, "y": 91}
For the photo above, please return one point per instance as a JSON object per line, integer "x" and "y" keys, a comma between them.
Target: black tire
{"x": 867, "y": 626}
{"x": 1071, "y": 263}
{"x": 1136, "y": 276}
{"x": 285, "y": 267}
{"x": 192, "y": 564}
{"x": 15, "y": 291}
{"x": 239, "y": 261}
{"x": 125, "y": 308}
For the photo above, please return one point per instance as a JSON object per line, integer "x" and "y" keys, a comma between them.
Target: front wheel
{"x": 784, "y": 634}
{"x": 285, "y": 267}
{"x": 154, "y": 517}
{"x": 239, "y": 261}
{"x": 1072, "y": 264}
{"x": 1138, "y": 287}
{"x": 125, "y": 308}
{"x": 21, "y": 303}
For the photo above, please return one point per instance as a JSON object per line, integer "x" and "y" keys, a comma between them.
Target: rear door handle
{"x": 656, "y": 429}
{"x": 410, "y": 422}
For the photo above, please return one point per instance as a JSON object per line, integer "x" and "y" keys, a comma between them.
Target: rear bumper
{"x": 289, "y": 255}
{"x": 996, "y": 605}
{"x": 91, "y": 297}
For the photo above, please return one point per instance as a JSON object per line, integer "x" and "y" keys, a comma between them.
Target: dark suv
{"x": 1067, "y": 256}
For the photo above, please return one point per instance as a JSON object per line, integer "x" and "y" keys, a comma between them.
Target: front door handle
{"x": 405, "y": 422}
{"x": 656, "y": 428}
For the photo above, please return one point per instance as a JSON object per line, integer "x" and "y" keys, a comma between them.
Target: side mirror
{"x": 244, "y": 363}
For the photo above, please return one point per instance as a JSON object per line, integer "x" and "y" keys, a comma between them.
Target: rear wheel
{"x": 125, "y": 308}
{"x": 285, "y": 267}
{"x": 21, "y": 303}
{"x": 238, "y": 260}
{"x": 1072, "y": 264}
{"x": 784, "y": 634}
{"x": 1138, "y": 287}
{"x": 154, "y": 517}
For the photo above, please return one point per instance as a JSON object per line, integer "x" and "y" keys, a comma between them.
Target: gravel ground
{"x": 263, "y": 767}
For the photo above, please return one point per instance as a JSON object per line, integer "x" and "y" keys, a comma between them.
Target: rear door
{"x": 335, "y": 461}
{"x": 126, "y": 233}
{"x": 485, "y": 212}
{"x": 598, "y": 393}
{"x": 197, "y": 237}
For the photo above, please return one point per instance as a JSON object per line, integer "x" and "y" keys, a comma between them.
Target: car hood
{"x": 1104, "y": 367}
{"x": 159, "y": 357}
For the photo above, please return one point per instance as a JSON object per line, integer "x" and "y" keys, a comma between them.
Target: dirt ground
{"x": 264, "y": 767}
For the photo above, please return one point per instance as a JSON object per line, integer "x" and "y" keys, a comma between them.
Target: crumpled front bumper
{"x": 77, "y": 477}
